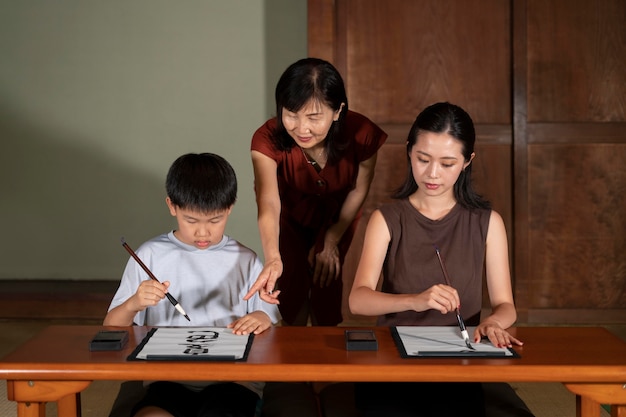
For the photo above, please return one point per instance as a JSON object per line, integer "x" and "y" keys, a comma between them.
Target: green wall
{"x": 97, "y": 98}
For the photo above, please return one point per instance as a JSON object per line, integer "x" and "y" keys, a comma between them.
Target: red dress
{"x": 310, "y": 204}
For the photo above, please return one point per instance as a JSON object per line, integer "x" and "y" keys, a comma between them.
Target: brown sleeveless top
{"x": 411, "y": 264}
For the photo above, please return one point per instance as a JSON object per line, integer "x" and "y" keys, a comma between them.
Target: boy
{"x": 208, "y": 273}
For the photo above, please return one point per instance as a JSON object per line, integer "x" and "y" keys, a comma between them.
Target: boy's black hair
{"x": 202, "y": 182}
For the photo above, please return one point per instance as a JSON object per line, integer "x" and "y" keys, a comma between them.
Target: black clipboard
{"x": 137, "y": 354}
{"x": 461, "y": 352}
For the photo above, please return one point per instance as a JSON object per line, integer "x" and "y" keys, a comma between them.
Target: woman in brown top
{"x": 436, "y": 208}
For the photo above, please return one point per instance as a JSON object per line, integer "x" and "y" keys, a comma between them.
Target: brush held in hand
{"x": 169, "y": 296}
{"x": 458, "y": 313}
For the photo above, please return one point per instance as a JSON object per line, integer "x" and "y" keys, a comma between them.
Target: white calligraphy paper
{"x": 443, "y": 341}
{"x": 193, "y": 343}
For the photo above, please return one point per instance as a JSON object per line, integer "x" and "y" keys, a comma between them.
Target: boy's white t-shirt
{"x": 208, "y": 283}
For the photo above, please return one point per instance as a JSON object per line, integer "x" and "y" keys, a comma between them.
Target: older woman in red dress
{"x": 313, "y": 166}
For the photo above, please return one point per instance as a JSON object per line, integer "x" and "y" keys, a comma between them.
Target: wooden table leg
{"x": 586, "y": 407}
{"x": 32, "y": 396}
{"x": 618, "y": 410}
{"x": 69, "y": 405}
{"x": 590, "y": 396}
{"x": 31, "y": 409}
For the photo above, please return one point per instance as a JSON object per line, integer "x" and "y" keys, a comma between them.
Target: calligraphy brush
{"x": 458, "y": 313}
{"x": 169, "y": 296}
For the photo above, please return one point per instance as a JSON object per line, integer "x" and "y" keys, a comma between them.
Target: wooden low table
{"x": 56, "y": 365}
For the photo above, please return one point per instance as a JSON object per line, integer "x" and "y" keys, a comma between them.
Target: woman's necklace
{"x": 312, "y": 160}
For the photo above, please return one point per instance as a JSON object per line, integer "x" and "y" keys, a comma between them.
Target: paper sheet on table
{"x": 443, "y": 341}
{"x": 193, "y": 343}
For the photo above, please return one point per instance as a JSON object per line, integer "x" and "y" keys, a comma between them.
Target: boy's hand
{"x": 149, "y": 293}
{"x": 255, "y": 322}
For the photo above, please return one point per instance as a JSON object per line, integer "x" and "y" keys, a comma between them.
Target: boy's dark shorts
{"x": 218, "y": 400}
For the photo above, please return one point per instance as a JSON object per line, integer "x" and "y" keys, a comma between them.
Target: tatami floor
{"x": 25, "y": 309}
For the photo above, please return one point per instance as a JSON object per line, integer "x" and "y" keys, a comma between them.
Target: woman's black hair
{"x": 305, "y": 80}
{"x": 454, "y": 121}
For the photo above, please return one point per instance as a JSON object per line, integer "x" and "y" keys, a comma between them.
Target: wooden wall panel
{"x": 575, "y": 140}
{"x": 321, "y": 29}
{"x": 576, "y": 60}
{"x": 577, "y": 226}
{"x": 431, "y": 51}
{"x": 520, "y": 157}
